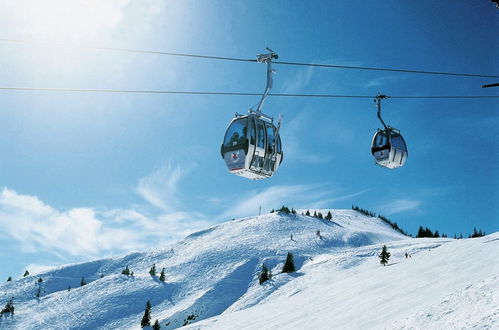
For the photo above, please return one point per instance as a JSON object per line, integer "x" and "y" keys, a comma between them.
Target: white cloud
{"x": 37, "y": 226}
{"x": 401, "y": 205}
{"x": 273, "y": 197}
{"x": 329, "y": 201}
{"x": 83, "y": 232}
{"x": 382, "y": 81}
{"x": 160, "y": 188}
{"x": 299, "y": 81}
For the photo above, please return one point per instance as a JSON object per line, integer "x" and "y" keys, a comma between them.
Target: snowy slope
{"x": 212, "y": 276}
{"x": 444, "y": 285}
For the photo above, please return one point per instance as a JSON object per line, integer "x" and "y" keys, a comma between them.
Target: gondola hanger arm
{"x": 377, "y": 100}
{"x": 266, "y": 58}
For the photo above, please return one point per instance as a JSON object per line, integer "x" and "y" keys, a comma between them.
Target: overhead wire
{"x": 331, "y": 66}
{"x": 131, "y": 91}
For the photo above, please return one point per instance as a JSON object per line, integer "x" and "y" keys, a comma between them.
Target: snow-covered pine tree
{"x": 9, "y": 307}
{"x": 384, "y": 255}
{"x": 156, "y": 325}
{"x": 289, "y": 265}
{"x": 152, "y": 271}
{"x": 83, "y": 282}
{"x": 146, "y": 319}
{"x": 264, "y": 274}
{"x": 329, "y": 216}
{"x": 307, "y": 213}
{"x": 126, "y": 271}
{"x": 162, "y": 275}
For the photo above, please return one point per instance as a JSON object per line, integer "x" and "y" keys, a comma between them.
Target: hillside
{"x": 212, "y": 275}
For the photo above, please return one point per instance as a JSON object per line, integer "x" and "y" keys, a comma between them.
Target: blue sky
{"x": 87, "y": 175}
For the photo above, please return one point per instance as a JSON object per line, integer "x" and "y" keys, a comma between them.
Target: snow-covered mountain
{"x": 212, "y": 281}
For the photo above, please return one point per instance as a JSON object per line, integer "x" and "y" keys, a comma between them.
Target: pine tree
{"x": 40, "y": 280}
{"x": 126, "y": 271}
{"x": 264, "y": 274}
{"x": 9, "y": 307}
{"x": 26, "y": 273}
{"x": 156, "y": 325}
{"x": 384, "y": 255}
{"x": 9, "y": 279}
{"x": 315, "y": 214}
{"x": 146, "y": 319}
{"x": 69, "y": 288}
{"x": 307, "y": 213}
{"x": 162, "y": 275}
{"x": 329, "y": 216}
{"x": 152, "y": 271}
{"x": 289, "y": 265}
{"x": 83, "y": 282}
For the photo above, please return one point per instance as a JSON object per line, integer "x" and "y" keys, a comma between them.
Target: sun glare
{"x": 63, "y": 20}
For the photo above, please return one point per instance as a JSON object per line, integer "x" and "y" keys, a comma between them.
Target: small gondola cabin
{"x": 389, "y": 148}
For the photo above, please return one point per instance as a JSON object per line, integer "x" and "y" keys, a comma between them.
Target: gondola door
{"x": 270, "y": 157}
{"x": 260, "y": 146}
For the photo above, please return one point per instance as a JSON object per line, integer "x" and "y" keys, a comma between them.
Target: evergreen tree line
{"x": 363, "y": 211}
{"x": 368, "y": 213}
{"x": 319, "y": 215}
{"x": 287, "y": 210}
{"x": 284, "y": 209}
{"x": 476, "y": 233}
{"x": 426, "y": 232}
{"x": 393, "y": 225}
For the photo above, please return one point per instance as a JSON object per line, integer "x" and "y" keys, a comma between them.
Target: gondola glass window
{"x": 380, "y": 141}
{"x": 236, "y": 134}
{"x": 398, "y": 142}
{"x": 261, "y": 134}
{"x": 270, "y": 139}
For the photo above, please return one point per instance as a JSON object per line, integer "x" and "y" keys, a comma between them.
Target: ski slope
{"x": 212, "y": 281}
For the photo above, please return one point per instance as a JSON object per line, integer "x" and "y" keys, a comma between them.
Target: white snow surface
{"x": 212, "y": 281}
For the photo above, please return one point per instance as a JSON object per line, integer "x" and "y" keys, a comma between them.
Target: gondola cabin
{"x": 389, "y": 148}
{"x": 252, "y": 147}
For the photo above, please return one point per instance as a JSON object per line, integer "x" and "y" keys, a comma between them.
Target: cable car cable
{"x": 130, "y": 91}
{"x": 331, "y": 66}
